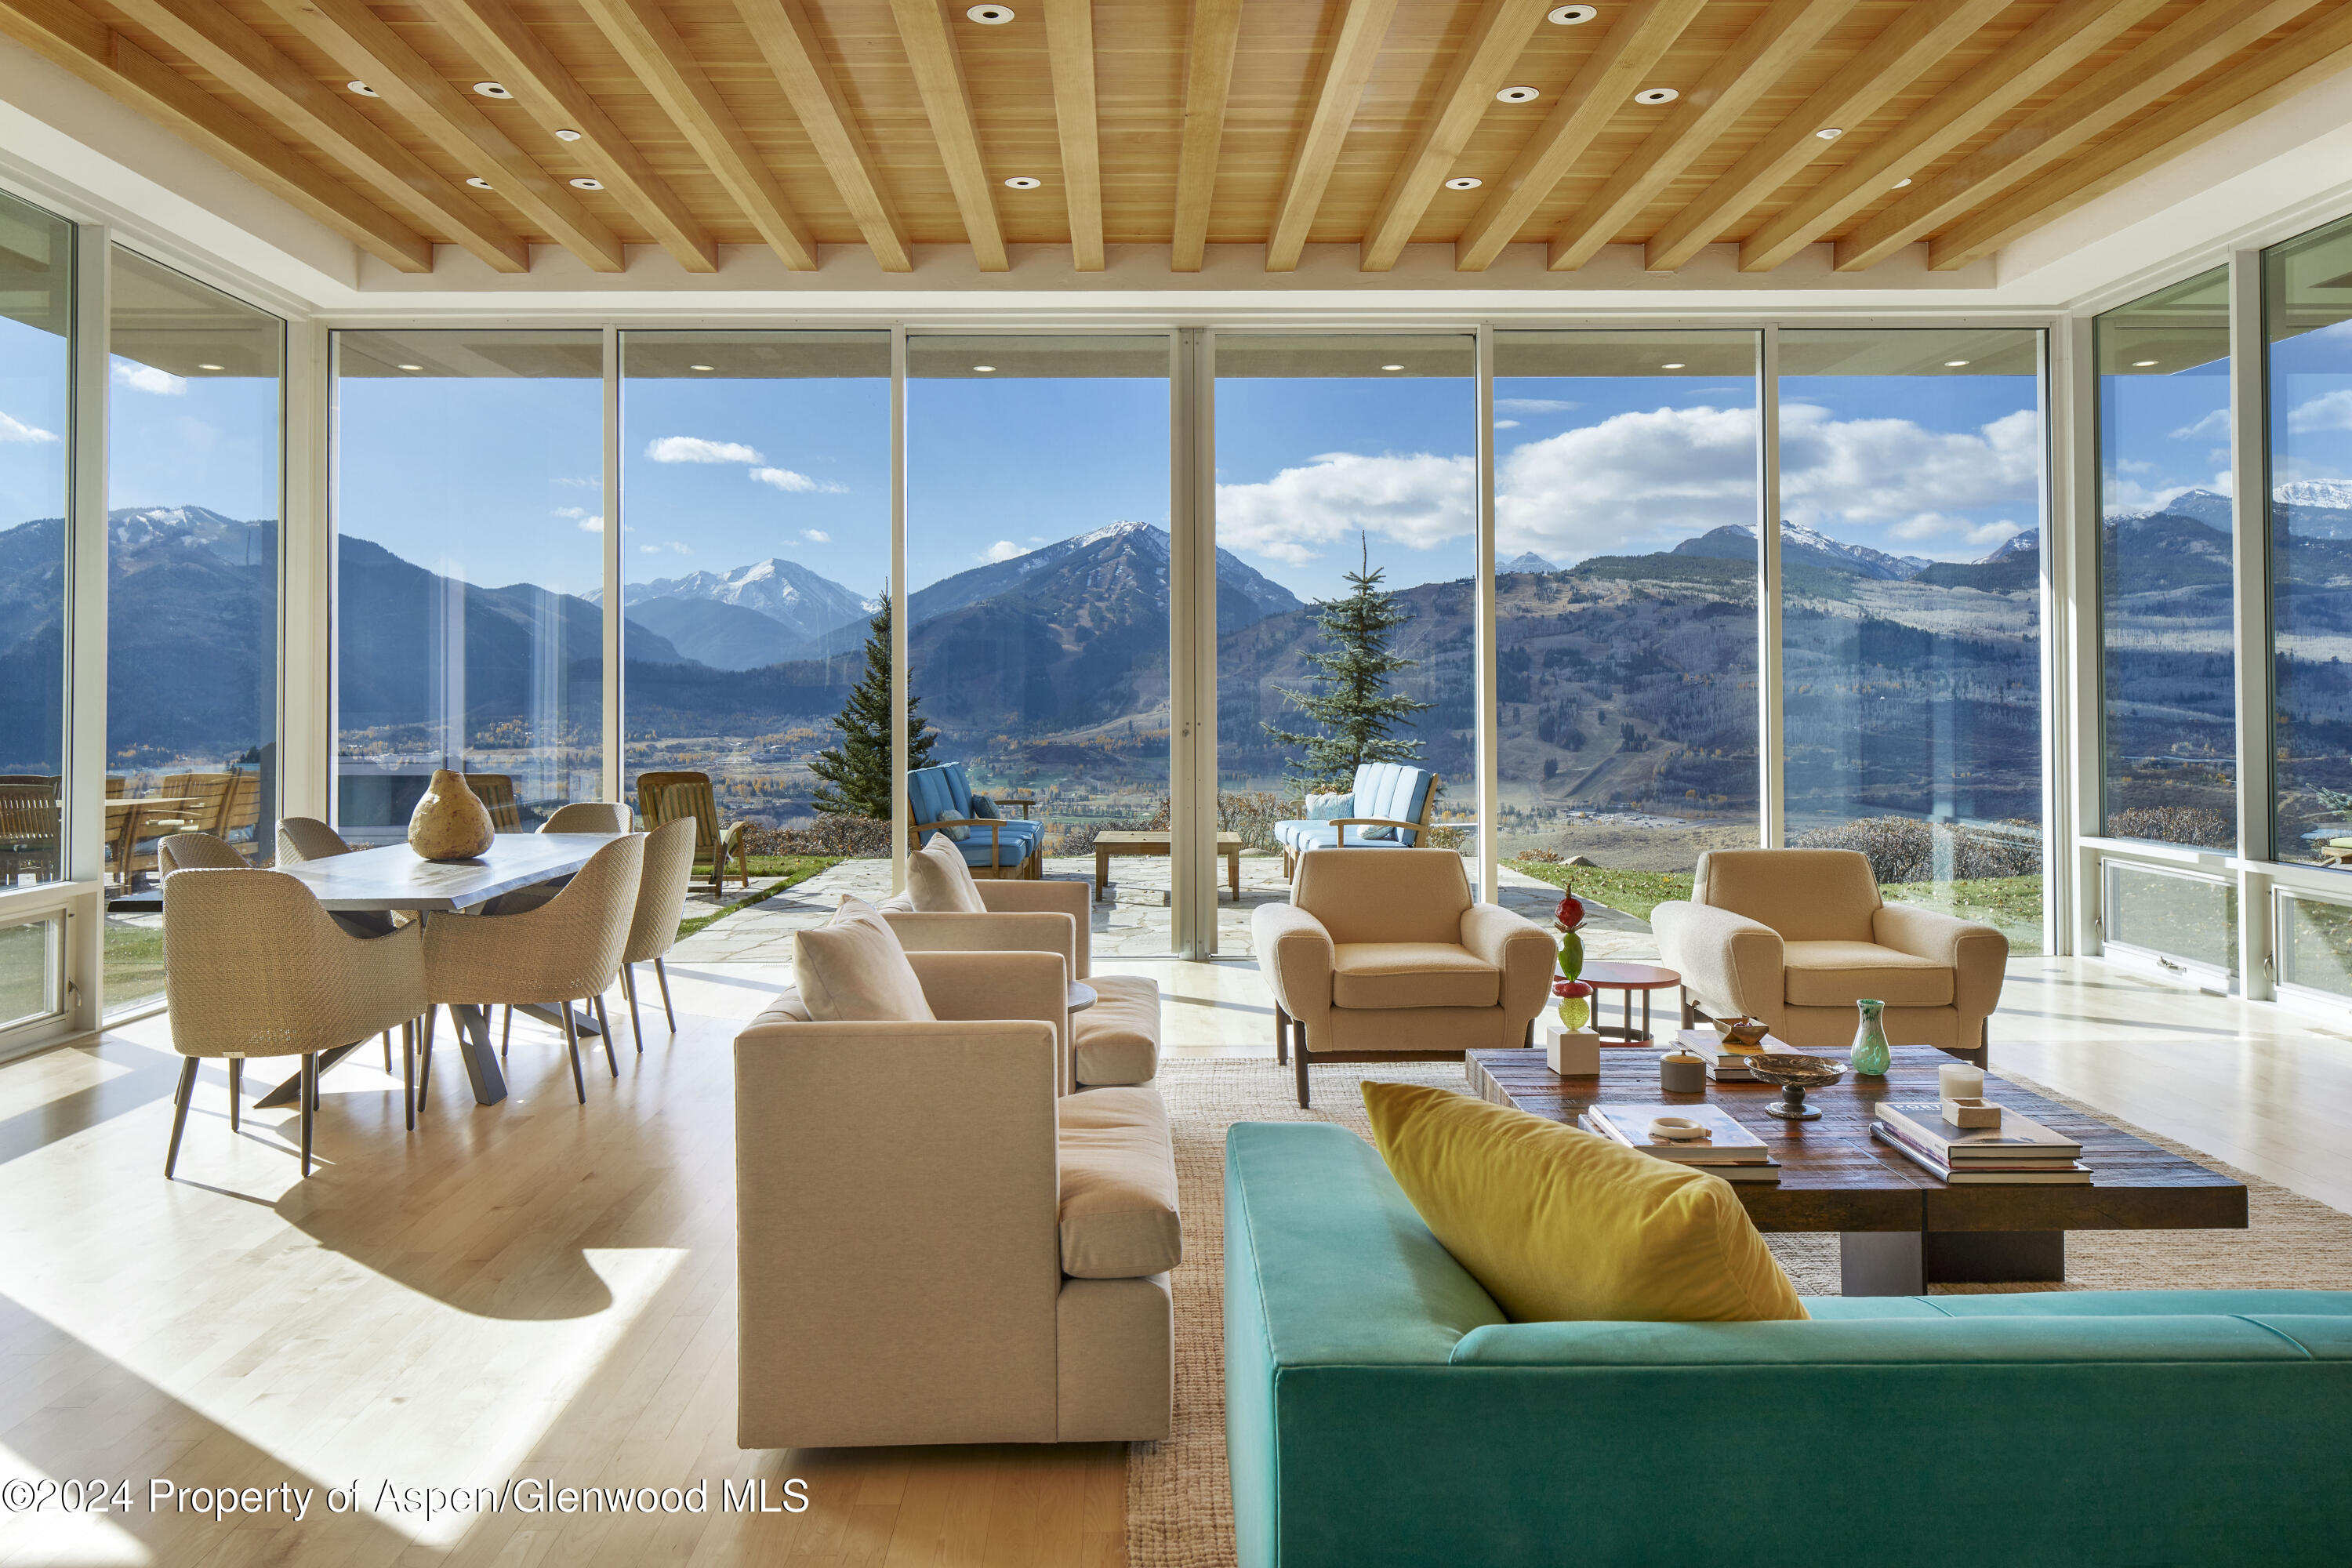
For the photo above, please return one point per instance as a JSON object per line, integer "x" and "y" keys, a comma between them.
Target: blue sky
{"x": 2161, "y": 435}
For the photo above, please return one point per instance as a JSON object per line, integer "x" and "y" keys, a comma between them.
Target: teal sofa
{"x": 1380, "y": 1410}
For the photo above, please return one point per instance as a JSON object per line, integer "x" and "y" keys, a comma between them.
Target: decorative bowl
{"x": 1741, "y": 1034}
{"x": 1795, "y": 1074}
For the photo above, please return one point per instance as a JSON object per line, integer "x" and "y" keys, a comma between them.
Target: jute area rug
{"x": 1179, "y": 1505}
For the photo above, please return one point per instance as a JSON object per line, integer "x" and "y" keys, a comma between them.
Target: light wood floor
{"x": 545, "y": 1292}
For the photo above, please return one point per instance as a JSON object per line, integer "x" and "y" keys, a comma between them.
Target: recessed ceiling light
{"x": 702, "y": 367}
{"x": 1023, "y": 182}
{"x": 584, "y": 183}
{"x": 991, "y": 16}
{"x": 1656, "y": 95}
{"x": 478, "y": 183}
{"x": 1954, "y": 363}
{"x": 1829, "y": 132}
{"x": 984, "y": 369}
{"x": 362, "y": 88}
{"x": 224, "y": 367}
{"x": 1570, "y": 16}
{"x": 1900, "y": 183}
{"x": 2136, "y": 365}
{"x": 1391, "y": 367}
{"x": 1517, "y": 95}
{"x": 1672, "y": 364}
{"x": 1464, "y": 182}
{"x": 567, "y": 136}
{"x": 492, "y": 90}
{"x": 410, "y": 367}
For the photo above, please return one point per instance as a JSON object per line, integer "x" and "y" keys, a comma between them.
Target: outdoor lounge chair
{"x": 1389, "y": 807}
{"x": 939, "y": 800}
{"x": 496, "y": 791}
{"x": 665, "y": 797}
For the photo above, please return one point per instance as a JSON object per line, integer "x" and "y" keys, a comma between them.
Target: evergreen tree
{"x": 856, "y": 773}
{"x": 1355, "y": 709}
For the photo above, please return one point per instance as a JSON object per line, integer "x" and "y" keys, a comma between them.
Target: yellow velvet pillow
{"x": 1559, "y": 1223}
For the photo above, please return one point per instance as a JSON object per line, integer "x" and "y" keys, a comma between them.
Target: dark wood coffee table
{"x": 1898, "y": 1226}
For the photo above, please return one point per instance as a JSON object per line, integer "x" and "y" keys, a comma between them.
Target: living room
{"x": 1174, "y": 784}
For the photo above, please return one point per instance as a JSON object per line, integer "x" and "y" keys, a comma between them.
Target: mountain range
{"x": 2312, "y": 508}
{"x": 1736, "y": 541}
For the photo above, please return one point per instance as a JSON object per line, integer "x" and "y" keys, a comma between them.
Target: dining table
{"x": 394, "y": 878}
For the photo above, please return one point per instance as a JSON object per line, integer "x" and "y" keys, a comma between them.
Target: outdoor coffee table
{"x": 1899, "y": 1228}
{"x": 1141, "y": 841}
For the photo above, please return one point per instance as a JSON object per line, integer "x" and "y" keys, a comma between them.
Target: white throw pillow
{"x": 853, "y": 971}
{"x": 940, "y": 883}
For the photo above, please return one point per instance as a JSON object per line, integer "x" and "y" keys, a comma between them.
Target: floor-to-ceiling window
{"x": 193, "y": 483}
{"x": 1625, "y": 559}
{"x": 2165, "y": 549}
{"x": 1347, "y": 469}
{"x": 2307, "y": 323}
{"x": 1037, "y": 605}
{"x": 755, "y": 550}
{"x": 1912, "y": 478}
{"x": 469, "y": 520}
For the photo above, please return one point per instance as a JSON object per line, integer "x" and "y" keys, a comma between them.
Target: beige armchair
{"x": 936, "y": 1246}
{"x": 1796, "y": 937}
{"x": 1383, "y": 956}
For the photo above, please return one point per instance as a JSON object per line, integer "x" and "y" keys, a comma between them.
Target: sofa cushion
{"x": 1411, "y": 974}
{"x": 940, "y": 883}
{"x": 1015, "y": 841}
{"x": 1324, "y": 808}
{"x": 1561, "y": 1224}
{"x": 853, "y": 970}
{"x": 1840, "y": 974}
{"x": 1117, "y": 1040}
{"x": 931, "y": 800}
{"x": 1119, "y": 1185}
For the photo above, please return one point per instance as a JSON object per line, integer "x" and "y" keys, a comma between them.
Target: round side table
{"x": 1629, "y": 978}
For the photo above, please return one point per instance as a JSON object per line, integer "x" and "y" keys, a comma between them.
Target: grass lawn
{"x": 1634, "y": 893}
{"x": 134, "y": 964}
{"x": 793, "y": 870}
{"x": 2010, "y": 904}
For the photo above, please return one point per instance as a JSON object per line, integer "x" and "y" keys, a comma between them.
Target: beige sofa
{"x": 1114, "y": 1042}
{"x": 1796, "y": 937}
{"x": 937, "y": 1245}
{"x": 1383, "y": 955}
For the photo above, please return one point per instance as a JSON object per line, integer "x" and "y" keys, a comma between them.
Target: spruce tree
{"x": 1355, "y": 707}
{"x": 856, "y": 773}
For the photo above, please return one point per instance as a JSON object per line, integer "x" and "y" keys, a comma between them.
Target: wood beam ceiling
{"x": 791, "y": 47}
{"x": 931, "y": 47}
{"x": 1070, "y": 50}
{"x": 1208, "y": 83}
{"x": 1345, "y": 72}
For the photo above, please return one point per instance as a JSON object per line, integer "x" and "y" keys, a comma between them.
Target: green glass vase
{"x": 1870, "y": 1054}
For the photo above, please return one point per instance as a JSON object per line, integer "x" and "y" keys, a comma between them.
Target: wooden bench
{"x": 1131, "y": 841}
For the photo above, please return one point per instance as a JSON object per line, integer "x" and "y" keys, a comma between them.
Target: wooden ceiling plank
{"x": 796, "y": 56}
{"x": 924, "y": 32}
{"x": 1773, "y": 43}
{"x": 83, "y": 45}
{"x": 509, "y": 51}
{"x": 1641, "y": 34}
{"x": 664, "y": 67}
{"x": 1344, "y": 73}
{"x": 1898, "y": 56}
{"x": 2192, "y": 46}
{"x": 1208, "y": 83}
{"x": 1479, "y": 71}
{"x": 359, "y": 42}
{"x": 265, "y": 77}
{"x": 2293, "y": 64}
{"x": 2052, "y": 46}
{"x": 1070, "y": 55}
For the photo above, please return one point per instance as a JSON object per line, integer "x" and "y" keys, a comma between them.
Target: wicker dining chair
{"x": 253, "y": 967}
{"x": 497, "y": 793}
{"x": 666, "y": 798}
{"x": 196, "y": 852}
{"x": 302, "y": 839}
{"x": 661, "y": 904}
{"x": 589, "y": 816}
{"x": 566, "y": 949}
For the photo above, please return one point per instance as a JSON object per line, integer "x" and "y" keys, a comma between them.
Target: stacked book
{"x": 1724, "y": 1063}
{"x": 1728, "y": 1149}
{"x": 2021, "y": 1152}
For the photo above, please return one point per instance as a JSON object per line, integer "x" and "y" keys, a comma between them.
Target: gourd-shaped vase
{"x": 1870, "y": 1055}
{"x": 450, "y": 823}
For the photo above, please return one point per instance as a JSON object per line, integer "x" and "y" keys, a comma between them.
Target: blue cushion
{"x": 1016, "y": 841}
{"x": 958, "y": 788}
{"x": 928, "y": 793}
{"x": 1393, "y": 791}
{"x": 1324, "y": 808}
{"x": 983, "y": 807}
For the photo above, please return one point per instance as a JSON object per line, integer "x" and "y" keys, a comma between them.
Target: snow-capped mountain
{"x": 1235, "y": 577}
{"x": 2334, "y": 494}
{"x": 2312, "y": 508}
{"x": 1527, "y": 560}
{"x": 2198, "y": 506}
{"x": 1799, "y": 544}
{"x": 2026, "y": 544}
{"x": 804, "y": 602}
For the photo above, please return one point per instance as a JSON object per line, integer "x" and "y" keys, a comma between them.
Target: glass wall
{"x": 1346, "y": 479}
{"x": 1912, "y": 484}
{"x": 1626, "y": 555}
{"x": 2165, "y": 611}
{"x": 193, "y": 483}
{"x": 1037, "y": 553}
{"x": 468, "y": 496}
{"x": 755, "y": 481}
{"x": 36, "y": 396}
{"x": 2307, "y": 323}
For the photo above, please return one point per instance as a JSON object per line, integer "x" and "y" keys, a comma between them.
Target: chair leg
{"x": 1690, "y": 1010}
{"x": 309, "y": 1106}
{"x": 663, "y": 976}
{"x": 387, "y": 1050}
{"x": 424, "y": 1056}
{"x": 1298, "y": 1060}
{"x": 235, "y": 1089}
{"x": 506, "y": 1033}
{"x": 187, "y": 1091}
{"x": 408, "y": 1072}
{"x": 629, "y": 990}
{"x": 605, "y": 1026}
{"x": 1281, "y": 1037}
{"x": 572, "y": 1040}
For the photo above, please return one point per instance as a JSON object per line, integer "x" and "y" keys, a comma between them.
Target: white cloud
{"x": 147, "y": 378}
{"x": 1506, "y": 424}
{"x": 581, "y": 484}
{"x": 786, "y": 480}
{"x": 649, "y": 550}
{"x": 1420, "y": 499}
{"x": 2213, "y": 425}
{"x": 591, "y": 525}
{"x": 2329, "y": 411}
{"x": 1933, "y": 529}
{"x": 1881, "y": 470}
{"x": 1003, "y": 550}
{"x": 12, "y": 430}
{"x": 695, "y": 449}
{"x": 816, "y": 536}
{"x": 1535, "y": 404}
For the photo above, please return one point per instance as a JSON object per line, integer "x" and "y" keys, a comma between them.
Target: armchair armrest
{"x": 1726, "y": 960}
{"x": 1074, "y": 899}
{"x": 1012, "y": 931}
{"x": 1978, "y": 954}
{"x": 975, "y": 987}
{"x": 1520, "y": 948}
{"x": 1293, "y": 950}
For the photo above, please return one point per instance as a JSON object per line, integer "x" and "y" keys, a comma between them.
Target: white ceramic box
{"x": 1569, "y": 1053}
